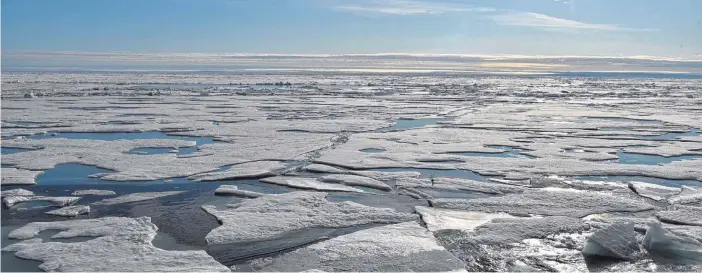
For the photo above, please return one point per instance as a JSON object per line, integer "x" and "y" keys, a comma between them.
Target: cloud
{"x": 407, "y": 7}
{"x": 538, "y": 20}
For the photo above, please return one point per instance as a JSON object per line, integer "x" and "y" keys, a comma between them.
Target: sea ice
{"x": 53, "y": 200}
{"x": 70, "y": 211}
{"x": 574, "y": 203}
{"x": 13, "y": 176}
{"x": 307, "y": 183}
{"x": 660, "y": 241}
{"x": 254, "y": 169}
{"x": 16, "y": 192}
{"x": 685, "y": 215}
{"x": 355, "y": 180}
{"x": 235, "y": 191}
{"x": 136, "y": 197}
{"x": 617, "y": 241}
{"x": 121, "y": 244}
{"x": 653, "y": 191}
{"x": 251, "y": 220}
{"x": 438, "y": 219}
{"x": 400, "y": 247}
{"x": 94, "y": 192}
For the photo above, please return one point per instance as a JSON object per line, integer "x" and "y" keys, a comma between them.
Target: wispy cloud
{"x": 538, "y": 20}
{"x": 498, "y": 16}
{"x": 407, "y": 7}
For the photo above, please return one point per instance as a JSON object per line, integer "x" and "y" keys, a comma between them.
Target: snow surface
{"x": 292, "y": 212}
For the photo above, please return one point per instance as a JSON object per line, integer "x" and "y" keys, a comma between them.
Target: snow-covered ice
{"x": 235, "y": 191}
{"x": 136, "y": 197}
{"x": 400, "y": 247}
{"x": 70, "y": 211}
{"x": 120, "y": 244}
{"x": 293, "y": 211}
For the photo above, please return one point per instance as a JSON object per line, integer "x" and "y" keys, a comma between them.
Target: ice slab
{"x": 121, "y": 244}
{"x": 685, "y": 215}
{"x": 251, "y": 220}
{"x": 565, "y": 202}
{"x": 235, "y": 191}
{"x": 70, "y": 211}
{"x": 653, "y": 191}
{"x": 307, "y": 183}
{"x": 13, "y": 176}
{"x": 254, "y": 169}
{"x": 355, "y": 180}
{"x": 616, "y": 241}
{"x": 136, "y": 197}
{"x": 477, "y": 186}
{"x": 438, "y": 219}
{"x": 688, "y": 196}
{"x": 16, "y": 192}
{"x": 404, "y": 247}
{"x": 57, "y": 201}
{"x": 94, "y": 192}
{"x": 659, "y": 241}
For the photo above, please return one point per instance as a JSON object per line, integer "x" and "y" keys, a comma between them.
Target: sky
{"x": 666, "y": 28}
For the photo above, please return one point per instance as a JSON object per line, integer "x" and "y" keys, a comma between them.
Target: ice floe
{"x": 616, "y": 241}
{"x": 438, "y": 219}
{"x": 400, "y": 247}
{"x": 659, "y": 241}
{"x": 56, "y": 201}
{"x": 293, "y": 211}
{"x": 13, "y": 176}
{"x": 355, "y": 180}
{"x": 254, "y": 169}
{"x": 16, "y": 192}
{"x": 235, "y": 191}
{"x": 653, "y": 191}
{"x": 308, "y": 183}
{"x": 136, "y": 197}
{"x": 94, "y": 192}
{"x": 575, "y": 203}
{"x": 120, "y": 244}
{"x": 70, "y": 211}
{"x": 685, "y": 215}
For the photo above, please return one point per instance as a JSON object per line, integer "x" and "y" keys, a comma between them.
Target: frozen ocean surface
{"x": 508, "y": 173}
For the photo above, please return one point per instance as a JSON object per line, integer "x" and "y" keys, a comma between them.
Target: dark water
{"x": 7, "y": 151}
{"x": 632, "y": 158}
{"x": 372, "y": 150}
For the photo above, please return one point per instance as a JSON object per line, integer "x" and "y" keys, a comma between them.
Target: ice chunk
{"x": 438, "y": 219}
{"x": 685, "y": 215}
{"x": 235, "y": 191}
{"x": 121, "y": 244}
{"x": 404, "y": 247}
{"x": 688, "y": 196}
{"x": 94, "y": 192}
{"x": 355, "y": 180}
{"x": 53, "y": 200}
{"x": 13, "y": 176}
{"x": 662, "y": 242}
{"x": 271, "y": 216}
{"x": 17, "y": 192}
{"x": 254, "y": 169}
{"x": 307, "y": 183}
{"x": 321, "y": 168}
{"x": 70, "y": 211}
{"x": 574, "y": 203}
{"x": 136, "y": 197}
{"x": 653, "y": 191}
{"x": 616, "y": 241}
{"x": 477, "y": 186}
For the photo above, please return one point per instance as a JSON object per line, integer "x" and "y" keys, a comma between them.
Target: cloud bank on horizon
{"x": 378, "y": 62}
{"x": 435, "y": 34}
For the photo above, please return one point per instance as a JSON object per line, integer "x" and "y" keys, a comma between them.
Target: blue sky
{"x": 526, "y": 27}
